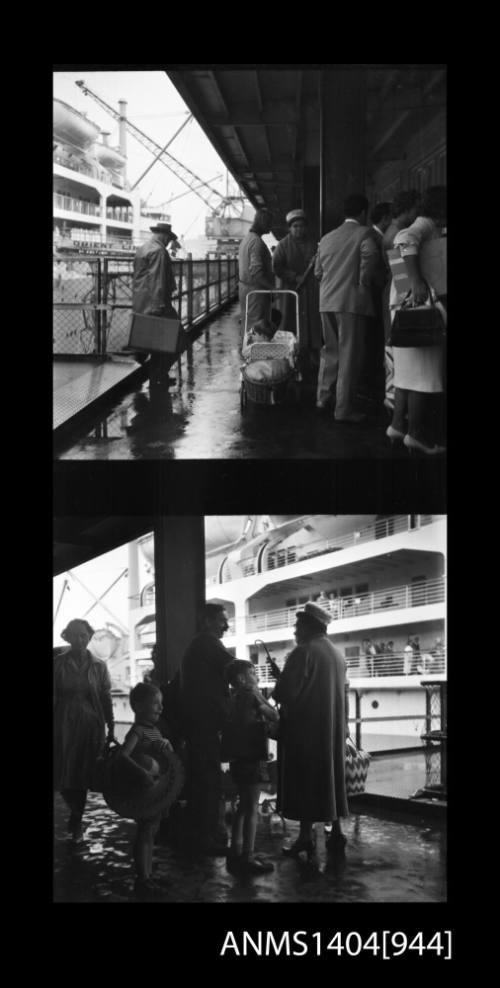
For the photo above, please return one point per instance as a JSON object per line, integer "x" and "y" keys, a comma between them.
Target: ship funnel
{"x": 122, "y": 106}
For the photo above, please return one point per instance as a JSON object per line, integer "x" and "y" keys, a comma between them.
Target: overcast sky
{"x": 156, "y": 107}
{"x": 97, "y": 575}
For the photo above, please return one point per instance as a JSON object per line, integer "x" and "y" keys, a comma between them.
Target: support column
{"x": 240, "y": 627}
{"x": 133, "y": 604}
{"x": 180, "y": 587}
{"x": 342, "y": 139}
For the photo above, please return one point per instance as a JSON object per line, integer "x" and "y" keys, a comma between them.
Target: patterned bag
{"x": 356, "y": 768}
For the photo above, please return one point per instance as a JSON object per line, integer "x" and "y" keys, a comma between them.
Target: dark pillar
{"x": 310, "y": 203}
{"x": 180, "y": 587}
{"x": 342, "y": 140}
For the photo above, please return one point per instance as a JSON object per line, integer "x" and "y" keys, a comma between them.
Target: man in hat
{"x": 153, "y": 285}
{"x": 204, "y": 697}
{"x": 313, "y": 693}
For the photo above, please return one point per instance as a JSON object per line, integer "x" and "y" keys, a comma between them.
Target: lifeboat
{"x": 110, "y": 158}
{"x": 72, "y": 127}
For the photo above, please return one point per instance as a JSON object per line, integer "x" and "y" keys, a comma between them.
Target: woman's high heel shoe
{"x": 414, "y": 445}
{"x": 394, "y": 434}
{"x": 300, "y": 845}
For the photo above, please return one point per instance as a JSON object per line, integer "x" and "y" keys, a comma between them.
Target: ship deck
{"x": 387, "y": 860}
{"x": 200, "y": 416}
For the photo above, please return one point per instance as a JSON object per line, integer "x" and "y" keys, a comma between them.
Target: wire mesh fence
{"x": 92, "y": 299}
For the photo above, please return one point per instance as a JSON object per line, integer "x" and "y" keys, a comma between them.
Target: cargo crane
{"x": 227, "y": 222}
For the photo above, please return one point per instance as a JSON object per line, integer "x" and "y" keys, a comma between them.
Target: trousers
{"x": 341, "y": 360}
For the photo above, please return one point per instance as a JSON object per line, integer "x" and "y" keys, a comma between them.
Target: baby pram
{"x": 270, "y": 368}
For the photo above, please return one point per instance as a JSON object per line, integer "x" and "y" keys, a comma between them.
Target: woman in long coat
{"x": 291, "y": 258}
{"x": 83, "y": 706}
{"x": 255, "y": 271}
{"x": 312, "y": 691}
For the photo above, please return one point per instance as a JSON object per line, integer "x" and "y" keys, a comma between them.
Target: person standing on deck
{"x": 344, "y": 265}
{"x": 294, "y": 255}
{"x": 153, "y": 286}
{"x": 255, "y": 271}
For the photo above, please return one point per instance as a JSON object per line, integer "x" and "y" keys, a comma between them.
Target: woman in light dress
{"x": 419, "y": 371}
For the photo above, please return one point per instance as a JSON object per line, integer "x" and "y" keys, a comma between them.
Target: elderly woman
{"x": 291, "y": 259}
{"x": 83, "y": 706}
{"x": 255, "y": 271}
{"x": 418, "y": 371}
{"x": 312, "y": 691}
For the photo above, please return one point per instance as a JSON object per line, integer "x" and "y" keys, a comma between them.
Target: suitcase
{"x": 155, "y": 334}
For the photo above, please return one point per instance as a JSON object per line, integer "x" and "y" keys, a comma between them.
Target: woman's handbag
{"x": 244, "y": 740}
{"x": 418, "y": 325}
{"x": 356, "y": 768}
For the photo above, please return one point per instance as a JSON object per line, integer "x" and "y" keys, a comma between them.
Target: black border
{"x": 232, "y": 487}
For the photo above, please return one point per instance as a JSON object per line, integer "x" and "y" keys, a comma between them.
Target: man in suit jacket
{"x": 346, "y": 257}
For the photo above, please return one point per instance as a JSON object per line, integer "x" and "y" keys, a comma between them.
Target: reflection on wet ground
{"x": 385, "y": 861}
{"x": 200, "y": 417}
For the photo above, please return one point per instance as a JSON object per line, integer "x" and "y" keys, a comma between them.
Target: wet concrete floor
{"x": 200, "y": 417}
{"x": 385, "y": 861}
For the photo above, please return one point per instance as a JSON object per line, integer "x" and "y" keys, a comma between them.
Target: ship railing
{"x": 430, "y": 662}
{"x": 357, "y": 605}
{"x": 93, "y": 299}
{"x": 380, "y": 528}
{"x": 72, "y": 205}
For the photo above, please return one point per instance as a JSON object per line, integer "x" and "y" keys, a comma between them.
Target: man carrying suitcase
{"x": 152, "y": 288}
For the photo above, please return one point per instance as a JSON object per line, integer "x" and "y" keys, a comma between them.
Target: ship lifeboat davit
{"x": 71, "y": 127}
{"x": 110, "y": 158}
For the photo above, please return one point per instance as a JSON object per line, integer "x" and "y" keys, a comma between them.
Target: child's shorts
{"x": 249, "y": 772}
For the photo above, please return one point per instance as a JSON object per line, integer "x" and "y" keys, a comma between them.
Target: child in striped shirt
{"x": 142, "y": 748}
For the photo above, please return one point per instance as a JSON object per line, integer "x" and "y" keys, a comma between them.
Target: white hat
{"x": 296, "y": 214}
{"x": 316, "y": 612}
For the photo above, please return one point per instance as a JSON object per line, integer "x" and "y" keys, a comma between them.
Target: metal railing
{"x": 378, "y": 529}
{"x": 72, "y": 205}
{"x": 357, "y": 605}
{"x": 430, "y": 662}
{"x": 92, "y": 171}
{"x": 93, "y": 296}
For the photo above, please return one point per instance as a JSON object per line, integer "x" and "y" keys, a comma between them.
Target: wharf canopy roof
{"x": 252, "y": 118}
{"x": 264, "y": 120}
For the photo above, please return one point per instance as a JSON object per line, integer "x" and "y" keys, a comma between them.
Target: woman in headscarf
{"x": 255, "y": 271}
{"x": 291, "y": 259}
{"x": 83, "y": 706}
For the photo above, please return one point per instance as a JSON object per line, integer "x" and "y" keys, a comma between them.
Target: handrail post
{"x": 104, "y": 312}
{"x": 207, "y": 297}
{"x": 98, "y": 311}
{"x": 228, "y": 273}
{"x": 180, "y": 262}
{"x": 358, "y": 719}
{"x": 219, "y": 280}
{"x": 190, "y": 291}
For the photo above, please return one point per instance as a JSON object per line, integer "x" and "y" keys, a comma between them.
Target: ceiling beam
{"x": 395, "y": 126}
